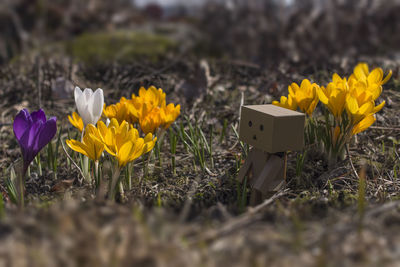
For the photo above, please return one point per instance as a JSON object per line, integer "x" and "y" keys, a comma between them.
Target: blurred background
{"x": 187, "y": 46}
{"x": 259, "y": 31}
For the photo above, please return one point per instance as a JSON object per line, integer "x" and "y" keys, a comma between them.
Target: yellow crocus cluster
{"x": 303, "y": 97}
{"x": 350, "y": 104}
{"x": 356, "y": 95}
{"x": 148, "y": 110}
{"x": 120, "y": 138}
{"x": 121, "y": 141}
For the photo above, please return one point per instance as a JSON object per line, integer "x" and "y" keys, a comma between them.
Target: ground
{"x": 197, "y": 216}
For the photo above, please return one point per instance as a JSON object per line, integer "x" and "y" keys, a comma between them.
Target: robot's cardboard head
{"x": 272, "y": 128}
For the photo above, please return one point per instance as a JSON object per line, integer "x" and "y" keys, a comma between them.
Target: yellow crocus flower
{"x": 360, "y": 93}
{"x": 148, "y": 109}
{"x": 150, "y": 120}
{"x": 286, "y": 102}
{"x": 121, "y": 111}
{"x": 123, "y": 142}
{"x": 152, "y": 96}
{"x": 340, "y": 83}
{"x": 356, "y": 111}
{"x": 333, "y": 97}
{"x": 91, "y": 145}
{"x": 168, "y": 114}
{"x": 305, "y": 96}
{"x": 360, "y": 115}
{"x": 373, "y": 80}
{"x": 363, "y": 124}
{"x": 76, "y": 121}
{"x": 361, "y": 72}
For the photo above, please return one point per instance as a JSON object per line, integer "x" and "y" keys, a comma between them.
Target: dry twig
{"x": 237, "y": 223}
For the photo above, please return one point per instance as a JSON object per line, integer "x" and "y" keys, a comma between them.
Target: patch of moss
{"x": 119, "y": 46}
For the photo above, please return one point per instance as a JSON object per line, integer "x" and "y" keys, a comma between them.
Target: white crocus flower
{"x": 89, "y": 104}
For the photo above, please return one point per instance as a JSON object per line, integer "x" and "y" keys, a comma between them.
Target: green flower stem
{"x": 146, "y": 165}
{"x": 21, "y": 185}
{"x": 21, "y": 189}
{"x": 96, "y": 173}
{"x": 85, "y": 167}
{"x": 85, "y": 170}
{"x": 39, "y": 165}
{"x": 160, "y": 138}
{"x": 114, "y": 181}
{"x": 172, "y": 142}
{"x": 129, "y": 175}
{"x": 121, "y": 190}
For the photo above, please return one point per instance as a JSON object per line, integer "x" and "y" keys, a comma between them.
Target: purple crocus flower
{"x": 33, "y": 132}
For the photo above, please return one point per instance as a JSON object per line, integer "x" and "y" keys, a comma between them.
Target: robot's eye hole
{"x": 254, "y": 137}
{"x": 250, "y": 123}
{"x": 261, "y": 127}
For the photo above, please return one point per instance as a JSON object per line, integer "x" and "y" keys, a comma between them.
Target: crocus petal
{"x": 352, "y": 105}
{"x": 88, "y": 94}
{"x": 379, "y": 107}
{"x": 97, "y": 102}
{"x": 360, "y": 71}
{"x": 305, "y": 84}
{"x": 150, "y": 142}
{"x": 366, "y": 108}
{"x": 47, "y": 132}
{"x": 293, "y": 88}
{"x": 364, "y": 124}
{"x": 95, "y": 145}
{"x": 125, "y": 152}
{"x": 336, "y": 78}
{"x": 80, "y": 102}
{"x": 28, "y": 141}
{"x": 375, "y": 90}
{"x": 38, "y": 116}
{"x": 77, "y": 146}
{"x": 375, "y": 77}
{"x": 387, "y": 77}
{"x": 21, "y": 123}
{"x": 139, "y": 149}
{"x": 322, "y": 96}
{"x": 77, "y": 93}
{"x": 86, "y": 116}
{"x": 76, "y": 121}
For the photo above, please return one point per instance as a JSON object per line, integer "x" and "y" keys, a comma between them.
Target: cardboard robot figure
{"x": 271, "y": 131}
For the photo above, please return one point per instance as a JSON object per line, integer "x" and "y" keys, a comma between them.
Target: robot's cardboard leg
{"x": 265, "y": 174}
{"x": 269, "y": 180}
{"x": 253, "y": 165}
{"x": 271, "y": 175}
